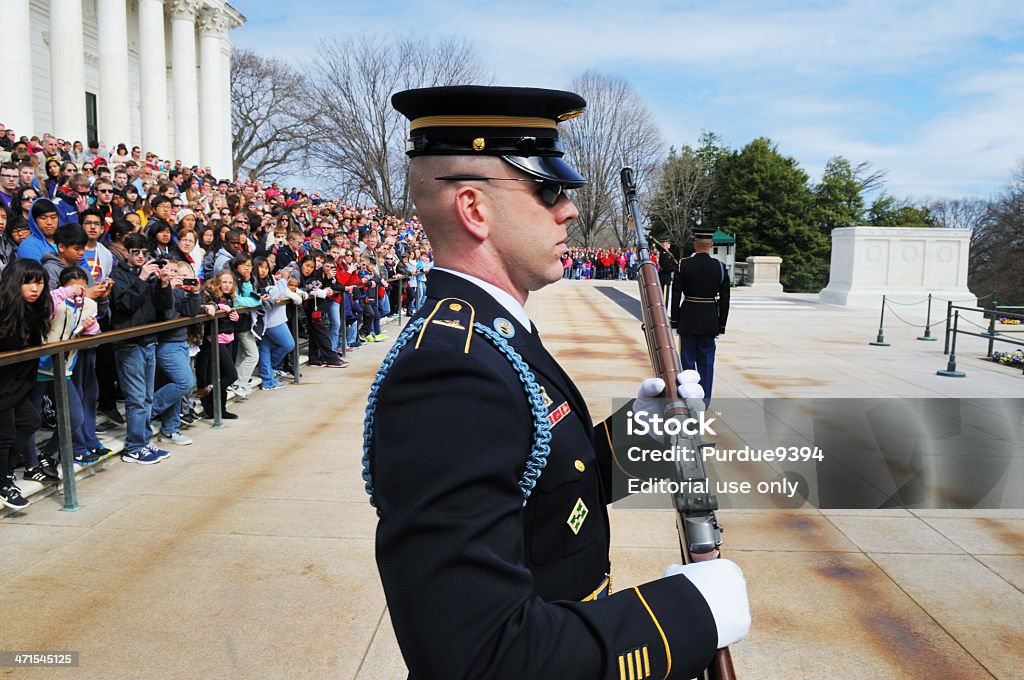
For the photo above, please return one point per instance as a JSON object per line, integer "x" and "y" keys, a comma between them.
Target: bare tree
{"x": 997, "y": 245}
{"x": 616, "y": 129}
{"x": 359, "y": 147}
{"x": 271, "y": 113}
{"x": 685, "y": 182}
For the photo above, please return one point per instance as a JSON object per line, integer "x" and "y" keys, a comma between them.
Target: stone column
{"x": 226, "y": 150}
{"x": 67, "y": 70}
{"x": 183, "y": 65}
{"x": 16, "y": 65}
{"x": 153, "y": 77}
{"x": 115, "y": 123}
{"x": 212, "y": 32}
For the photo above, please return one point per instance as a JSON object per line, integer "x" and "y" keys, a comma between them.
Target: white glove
{"x": 319, "y": 293}
{"x": 294, "y": 297}
{"x": 653, "y": 388}
{"x": 723, "y": 587}
{"x": 302, "y": 294}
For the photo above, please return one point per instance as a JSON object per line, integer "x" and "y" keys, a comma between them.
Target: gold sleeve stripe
{"x": 647, "y": 663}
{"x": 622, "y": 667}
{"x": 482, "y": 121}
{"x": 668, "y": 650}
{"x": 639, "y": 667}
{"x": 629, "y": 665}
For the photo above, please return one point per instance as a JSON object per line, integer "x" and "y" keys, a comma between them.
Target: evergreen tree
{"x": 837, "y": 200}
{"x": 763, "y": 199}
{"x": 887, "y": 211}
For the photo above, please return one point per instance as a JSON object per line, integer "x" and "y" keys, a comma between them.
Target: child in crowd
{"x": 218, "y": 295}
{"x": 249, "y": 305}
{"x": 25, "y": 310}
{"x": 74, "y": 314}
{"x": 313, "y": 282}
{"x": 277, "y": 339}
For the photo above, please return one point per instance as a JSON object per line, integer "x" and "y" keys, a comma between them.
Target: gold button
{"x": 580, "y": 467}
{"x": 455, "y": 307}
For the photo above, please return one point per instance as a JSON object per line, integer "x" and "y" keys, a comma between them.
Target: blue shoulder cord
{"x": 541, "y": 448}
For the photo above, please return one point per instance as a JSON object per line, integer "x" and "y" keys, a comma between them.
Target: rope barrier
{"x": 906, "y": 304}
{"x": 915, "y": 325}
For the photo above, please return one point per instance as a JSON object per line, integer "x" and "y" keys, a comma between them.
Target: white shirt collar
{"x": 510, "y": 304}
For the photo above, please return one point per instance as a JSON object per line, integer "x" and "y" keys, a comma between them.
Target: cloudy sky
{"x": 931, "y": 90}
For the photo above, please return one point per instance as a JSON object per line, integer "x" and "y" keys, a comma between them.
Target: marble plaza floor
{"x": 250, "y": 553}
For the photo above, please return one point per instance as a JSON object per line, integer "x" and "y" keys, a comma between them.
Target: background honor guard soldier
{"x": 666, "y": 268}
{"x": 700, "y": 308}
{"x": 480, "y": 456}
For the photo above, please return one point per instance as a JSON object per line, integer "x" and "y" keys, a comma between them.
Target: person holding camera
{"x": 141, "y": 294}
{"x": 172, "y": 357}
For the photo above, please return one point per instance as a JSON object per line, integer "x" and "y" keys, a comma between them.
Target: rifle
{"x": 699, "y": 530}
{"x": 667, "y": 251}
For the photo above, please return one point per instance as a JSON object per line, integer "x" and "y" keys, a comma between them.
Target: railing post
{"x": 928, "y": 322}
{"x": 218, "y": 407}
{"x": 344, "y": 328}
{"x": 880, "y": 340}
{"x": 296, "y": 375}
{"x": 67, "y": 455}
{"x": 401, "y": 294}
{"x": 951, "y": 371}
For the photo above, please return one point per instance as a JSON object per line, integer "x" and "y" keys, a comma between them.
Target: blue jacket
{"x": 36, "y": 245}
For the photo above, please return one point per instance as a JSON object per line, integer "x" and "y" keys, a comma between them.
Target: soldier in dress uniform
{"x": 489, "y": 478}
{"x": 666, "y": 268}
{"x": 700, "y": 308}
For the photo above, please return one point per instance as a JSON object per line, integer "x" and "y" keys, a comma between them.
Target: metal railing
{"x": 59, "y": 350}
{"x": 990, "y": 333}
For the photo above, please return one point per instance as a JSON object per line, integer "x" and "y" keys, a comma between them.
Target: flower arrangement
{"x": 1010, "y": 322}
{"x": 1014, "y": 358}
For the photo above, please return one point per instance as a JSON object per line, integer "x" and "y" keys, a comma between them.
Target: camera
{"x": 190, "y": 282}
{"x": 160, "y": 263}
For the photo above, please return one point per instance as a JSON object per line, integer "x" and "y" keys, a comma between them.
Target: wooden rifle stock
{"x": 699, "y": 531}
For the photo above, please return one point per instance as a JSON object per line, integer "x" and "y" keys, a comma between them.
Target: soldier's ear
{"x": 473, "y": 210}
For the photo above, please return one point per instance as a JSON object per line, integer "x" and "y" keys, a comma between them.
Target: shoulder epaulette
{"x": 453, "y": 314}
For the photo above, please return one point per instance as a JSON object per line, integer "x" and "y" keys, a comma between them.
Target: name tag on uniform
{"x": 561, "y": 412}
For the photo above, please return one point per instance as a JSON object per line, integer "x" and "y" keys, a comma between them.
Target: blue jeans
{"x": 332, "y": 310}
{"x": 277, "y": 342}
{"x": 84, "y": 379}
{"x": 52, "y": 446}
{"x": 698, "y": 351}
{"x": 413, "y": 296}
{"x": 136, "y": 369}
{"x": 421, "y": 294}
{"x": 353, "y": 332}
{"x": 173, "y": 360}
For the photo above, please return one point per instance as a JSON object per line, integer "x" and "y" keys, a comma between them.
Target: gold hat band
{"x": 482, "y": 121}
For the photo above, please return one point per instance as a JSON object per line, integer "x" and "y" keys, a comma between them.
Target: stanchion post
{"x": 880, "y": 340}
{"x": 949, "y": 325}
{"x": 992, "y": 331}
{"x": 928, "y": 323}
{"x": 951, "y": 371}
{"x": 218, "y": 406}
{"x": 67, "y": 455}
{"x": 296, "y": 372}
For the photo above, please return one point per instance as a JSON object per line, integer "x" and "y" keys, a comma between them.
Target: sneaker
{"x": 176, "y": 438}
{"x": 228, "y": 415}
{"x": 10, "y": 496}
{"x": 161, "y": 453}
{"x": 87, "y": 458}
{"x": 144, "y": 456}
{"x": 380, "y": 337}
{"x": 187, "y": 420}
{"x": 49, "y": 467}
{"x": 37, "y": 474}
{"x": 241, "y": 393}
{"x": 113, "y": 415}
{"x": 276, "y": 385}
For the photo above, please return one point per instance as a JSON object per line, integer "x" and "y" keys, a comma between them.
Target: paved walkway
{"x": 250, "y": 553}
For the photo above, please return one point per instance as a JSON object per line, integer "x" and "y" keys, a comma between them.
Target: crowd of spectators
{"x": 93, "y": 241}
{"x": 601, "y": 263}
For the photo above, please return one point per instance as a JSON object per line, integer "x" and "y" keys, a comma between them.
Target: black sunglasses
{"x": 548, "y": 192}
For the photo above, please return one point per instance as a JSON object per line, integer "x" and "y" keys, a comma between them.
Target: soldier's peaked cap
{"x": 517, "y": 124}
